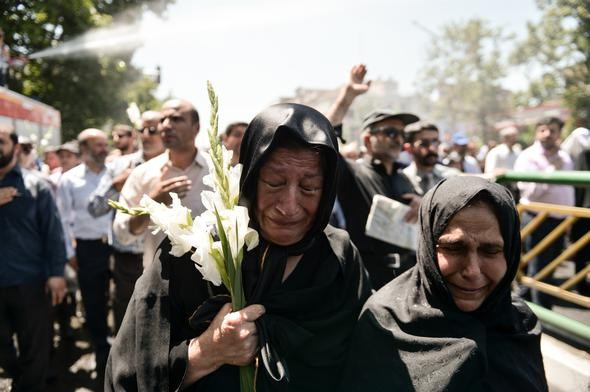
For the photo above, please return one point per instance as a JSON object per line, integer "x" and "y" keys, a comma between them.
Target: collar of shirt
{"x": 378, "y": 166}
{"x": 199, "y": 160}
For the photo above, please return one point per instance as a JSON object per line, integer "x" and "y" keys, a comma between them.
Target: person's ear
{"x": 367, "y": 141}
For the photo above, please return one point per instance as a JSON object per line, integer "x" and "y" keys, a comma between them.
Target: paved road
{"x": 72, "y": 365}
{"x": 567, "y": 368}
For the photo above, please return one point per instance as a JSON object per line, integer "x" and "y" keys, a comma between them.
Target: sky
{"x": 256, "y": 51}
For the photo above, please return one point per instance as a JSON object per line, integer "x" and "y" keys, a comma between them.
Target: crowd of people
{"x": 442, "y": 317}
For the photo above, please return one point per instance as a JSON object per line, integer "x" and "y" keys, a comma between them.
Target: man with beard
{"x": 123, "y": 140}
{"x": 425, "y": 172}
{"x": 544, "y": 156}
{"x": 378, "y": 173}
{"x": 32, "y": 259}
{"x": 128, "y": 259}
{"x": 89, "y": 237}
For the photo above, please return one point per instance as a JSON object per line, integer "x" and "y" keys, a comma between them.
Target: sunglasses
{"x": 389, "y": 132}
{"x": 151, "y": 130}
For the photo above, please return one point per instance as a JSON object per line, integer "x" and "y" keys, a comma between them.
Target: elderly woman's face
{"x": 289, "y": 192}
{"x": 470, "y": 255}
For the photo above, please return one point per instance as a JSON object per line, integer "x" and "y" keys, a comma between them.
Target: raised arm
{"x": 354, "y": 87}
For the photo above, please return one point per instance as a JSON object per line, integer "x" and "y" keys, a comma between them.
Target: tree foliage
{"x": 464, "y": 69}
{"x": 556, "y": 52}
{"x": 89, "y": 91}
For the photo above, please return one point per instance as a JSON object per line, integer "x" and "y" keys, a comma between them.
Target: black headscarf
{"x": 310, "y": 316}
{"x": 305, "y": 126}
{"x": 412, "y": 336}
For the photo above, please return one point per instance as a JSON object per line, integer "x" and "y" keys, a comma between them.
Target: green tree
{"x": 464, "y": 70}
{"x": 556, "y": 52}
{"x": 88, "y": 91}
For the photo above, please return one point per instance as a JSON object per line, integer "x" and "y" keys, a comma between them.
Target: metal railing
{"x": 572, "y": 214}
{"x": 542, "y": 211}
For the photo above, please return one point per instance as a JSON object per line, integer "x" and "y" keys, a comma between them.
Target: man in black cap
{"x": 377, "y": 174}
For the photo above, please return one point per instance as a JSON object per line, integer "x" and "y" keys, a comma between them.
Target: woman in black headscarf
{"x": 307, "y": 276}
{"x": 450, "y": 323}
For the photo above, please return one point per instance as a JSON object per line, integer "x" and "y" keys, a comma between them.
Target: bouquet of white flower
{"x": 218, "y": 236}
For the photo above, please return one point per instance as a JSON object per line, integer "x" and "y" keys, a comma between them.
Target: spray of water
{"x": 110, "y": 40}
{"x": 150, "y": 28}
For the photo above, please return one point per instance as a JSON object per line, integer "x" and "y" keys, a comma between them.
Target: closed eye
{"x": 311, "y": 190}
{"x": 492, "y": 249}
{"x": 451, "y": 248}
{"x": 273, "y": 185}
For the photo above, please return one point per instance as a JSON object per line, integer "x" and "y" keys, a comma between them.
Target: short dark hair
{"x": 413, "y": 129}
{"x": 229, "y": 129}
{"x": 123, "y": 129}
{"x": 549, "y": 121}
{"x": 13, "y": 136}
{"x": 9, "y": 129}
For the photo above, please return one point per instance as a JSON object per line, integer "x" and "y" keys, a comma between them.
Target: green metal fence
{"x": 563, "y": 291}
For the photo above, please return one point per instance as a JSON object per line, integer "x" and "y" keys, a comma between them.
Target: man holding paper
{"x": 377, "y": 174}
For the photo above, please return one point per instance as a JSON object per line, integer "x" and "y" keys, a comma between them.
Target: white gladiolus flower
{"x": 223, "y": 224}
{"x": 212, "y": 201}
{"x": 175, "y": 221}
{"x": 234, "y": 183}
{"x": 204, "y": 260}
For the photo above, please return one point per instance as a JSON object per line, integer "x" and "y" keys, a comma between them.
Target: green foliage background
{"x": 88, "y": 91}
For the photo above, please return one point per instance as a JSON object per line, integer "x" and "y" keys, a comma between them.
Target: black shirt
{"x": 359, "y": 182}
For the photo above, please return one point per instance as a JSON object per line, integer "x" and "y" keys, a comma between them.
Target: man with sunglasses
{"x": 128, "y": 258}
{"x": 378, "y": 173}
{"x": 425, "y": 172}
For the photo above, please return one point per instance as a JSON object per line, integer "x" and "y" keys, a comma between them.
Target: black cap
{"x": 384, "y": 114}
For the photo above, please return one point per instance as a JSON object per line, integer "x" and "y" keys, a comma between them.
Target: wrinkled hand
{"x": 234, "y": 334}
{"x": 414, "y": 204}
{"x": 356, "y": 84}
{"x": 7, "y": 194}
{"x": 230, "y": 339}
{"x": 56, "y": 287}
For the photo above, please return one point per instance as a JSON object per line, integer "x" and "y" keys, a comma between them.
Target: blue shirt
{"x": 32, "y": 246}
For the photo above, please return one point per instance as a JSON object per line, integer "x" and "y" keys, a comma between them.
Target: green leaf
{"x": 229, "y": 265}
{"x": 135, "y": 211}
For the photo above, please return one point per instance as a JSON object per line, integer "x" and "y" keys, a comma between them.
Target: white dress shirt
{"x": 536, "y": 159}
{"x": 141, "y": 181}
{"x": 75, "y": 188}
{"x": 501, "y": 157}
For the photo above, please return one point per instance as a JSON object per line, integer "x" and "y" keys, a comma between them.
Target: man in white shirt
{"x": 179, "y": 169}
{"x": 128, "y": 259}
{"x": 503, "y": 156}
{"x": 88, "y": 251}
